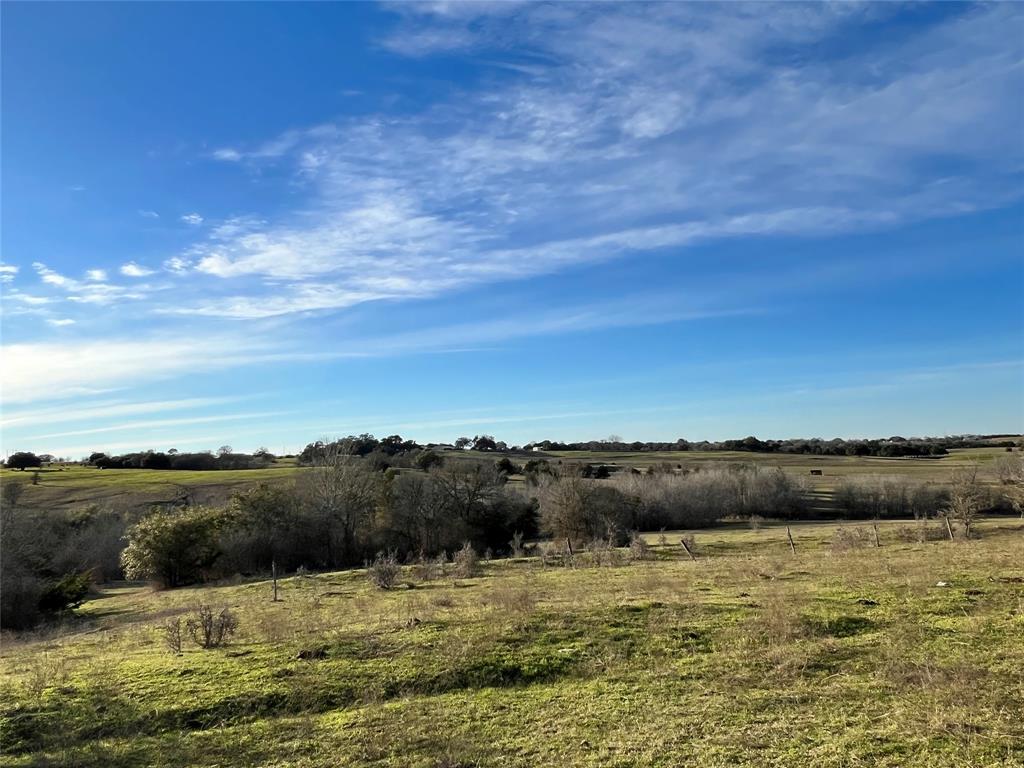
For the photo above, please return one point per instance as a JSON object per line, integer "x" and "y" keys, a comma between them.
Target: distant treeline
{"x": 891, "y": 447}
{"x": 174, "y": 460}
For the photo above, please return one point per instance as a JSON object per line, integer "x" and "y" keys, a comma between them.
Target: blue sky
{"x": 263, "y": 224}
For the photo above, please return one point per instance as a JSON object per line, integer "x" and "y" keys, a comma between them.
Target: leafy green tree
{"x": 173, "y": 547}
{"x": 23, "y": 459}
{"x": 427, "y": 459}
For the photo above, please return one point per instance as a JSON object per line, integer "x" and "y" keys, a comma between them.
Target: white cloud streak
{"x": 626, "y": 129}
{"x": 131, "y": 269}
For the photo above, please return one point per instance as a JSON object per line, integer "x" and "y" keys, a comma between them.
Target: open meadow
{"x": 74, "y": 485}
{"x": 844, "y": 653}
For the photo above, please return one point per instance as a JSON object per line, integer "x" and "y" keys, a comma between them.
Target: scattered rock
{"x": 237, "y": 654}
{"x": 866, "y": 601}
{"x": 312, "y": 654}
{"x": 413, "y": 622}
{"x": 943, "y": 584}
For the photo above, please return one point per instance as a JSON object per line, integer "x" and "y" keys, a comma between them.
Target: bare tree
{"x": 965, "y": 498}
{"x": 343, "y": 494}
{"x": 1010, "y": 471}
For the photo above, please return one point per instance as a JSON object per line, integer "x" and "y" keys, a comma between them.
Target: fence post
{"x": 683, "y": 542}
{"x": 792, "y": 545}
{"x": 273, "y": 574}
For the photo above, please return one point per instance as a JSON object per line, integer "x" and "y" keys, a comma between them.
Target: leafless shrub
{"x": 209, "y": 629}
{"x": 383, "y": 572}
{"x": 172, "y": 634}
{"x": 45, "y": 671}
{"x": 467, "y": 562}
{"x": 512, "y": 599}
{"x": 846, "y": 539}
{"x": 516, "y": 544}
{"x": 755, "y": 522}
{"x": 921, "y": 531}
{"x": 604, "y": 553}
{"x": 428, "y": 568}
{"x": 639, "y": 549}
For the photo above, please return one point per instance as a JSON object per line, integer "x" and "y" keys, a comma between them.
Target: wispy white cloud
{"x": 626, "y": 129}
{"x": 177, "y": 265}
{"x": 34, "y": 372}
{"x": 7, "y": 272}
{"x": 192, "y": 219}
{"x": 131, "y": 269}
{"x": 227, "y": 154}
{"x": 106, "y": 409}
{"x": 91, "y": 291}
{"x": 60, "y": 322}
{"x": 141, "y": 426}
{"x": 147, "y": 214}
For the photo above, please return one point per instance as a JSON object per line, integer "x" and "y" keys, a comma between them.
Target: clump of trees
{"x": 579, "y": 510}
{"x": 224, "y": 458}
{"x": 340, "y": 512}
{"x": 871, "y": 497}
{"x": 892, "y": 447}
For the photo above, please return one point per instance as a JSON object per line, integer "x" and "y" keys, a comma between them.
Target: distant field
{"x": 904, "y": 656}
{"x": 74, "y": 486}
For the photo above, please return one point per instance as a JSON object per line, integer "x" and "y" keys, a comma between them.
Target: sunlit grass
{"x": 748, "y": 656}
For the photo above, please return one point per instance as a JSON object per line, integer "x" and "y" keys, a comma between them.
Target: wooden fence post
{"x": 273, "y": 574}
{"x": 789, "y": 535}
{"x": 683, "y": 542}
{"x": 875, "y": 527}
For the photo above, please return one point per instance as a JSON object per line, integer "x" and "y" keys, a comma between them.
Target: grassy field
{"x": 74, "y": 486}
{"x": 909, "y": 654}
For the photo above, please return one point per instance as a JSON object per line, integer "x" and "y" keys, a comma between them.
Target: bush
{"x": 467, "y": 562}
{"x": 209, "y": 629}
{"x": 383, "y": 572}
{"x": 639, "y": 549}
{"x": 172, "y": 634}
{"x": 66, "y": 592}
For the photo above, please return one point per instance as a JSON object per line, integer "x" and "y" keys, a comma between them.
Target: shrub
{"x": 384, "y": 570}
{"x": 429, "y": 568}
{"x": 638, "y": 548}
{"x": 209, "y": 629}
{"x": 516, "y": 545}
{"x": 172, "y": 634}
{"x": 467, "y": 562}
{"x": 845, "y": 539}
{"x": 66, "y": 592}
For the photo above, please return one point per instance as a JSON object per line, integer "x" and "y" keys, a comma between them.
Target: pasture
{"x": 842, "y": 654}
{"x": 71, "y": 486}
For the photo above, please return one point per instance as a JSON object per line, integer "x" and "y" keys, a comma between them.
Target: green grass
{"x": 74, "y": 486}
{"x": 748, "y": 656}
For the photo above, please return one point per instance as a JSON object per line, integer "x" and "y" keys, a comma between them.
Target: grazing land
{"x": 73, "y": 485}
{"x": 842, "y": 654}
